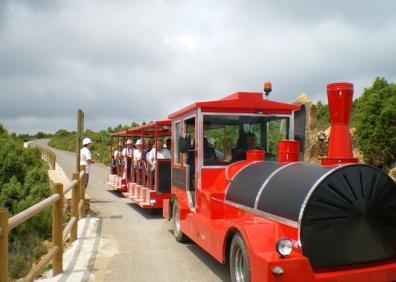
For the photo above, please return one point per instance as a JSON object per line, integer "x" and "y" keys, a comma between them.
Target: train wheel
{"x": 180, "y": 237}
{"x": 239, "y": 260}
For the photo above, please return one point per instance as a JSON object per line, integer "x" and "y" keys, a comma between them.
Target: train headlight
{"x": 284, "y": 247}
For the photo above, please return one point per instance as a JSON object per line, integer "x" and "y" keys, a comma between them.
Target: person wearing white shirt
{"x": 117, "y": 156}
{"x": 127, "y": 153}
{"x": 137, "y": 153}
{"x": 157, "y": 154}
{"x": 162, "y": 153}
{"x": 86, "y": 158}
{"x": 137, "y": 156}
{"x": 117, "y": 152}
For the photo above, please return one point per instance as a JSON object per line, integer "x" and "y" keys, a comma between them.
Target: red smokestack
{"x": 339, "y": 96}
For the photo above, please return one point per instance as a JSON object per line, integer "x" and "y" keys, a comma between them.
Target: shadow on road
{"x": 116, "y": 193}
{"x": 221, "y": 270}
{"x": 147, "y": 213}
{"x": 100, "y": 202}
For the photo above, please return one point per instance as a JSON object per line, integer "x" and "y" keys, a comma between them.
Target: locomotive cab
{"x": 210, "y": 136}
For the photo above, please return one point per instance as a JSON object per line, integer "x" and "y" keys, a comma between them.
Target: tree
{"x": 376, "y": 123}
{"x": 23, "y": 182}
{"x": 40, "y": 135}
{"x": 322, "y": 116}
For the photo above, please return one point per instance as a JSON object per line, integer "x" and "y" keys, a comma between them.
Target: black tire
{"x": 179, "y": 236}
{"x": 239, "y": 260}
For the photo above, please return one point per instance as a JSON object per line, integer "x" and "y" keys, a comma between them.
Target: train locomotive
{"x": 240, "y": 191}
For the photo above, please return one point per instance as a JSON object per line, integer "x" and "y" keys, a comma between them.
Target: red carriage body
{"x": 118, "y": 178}
{"x": 149, "y": 188}
{"x": 133, "y": 177}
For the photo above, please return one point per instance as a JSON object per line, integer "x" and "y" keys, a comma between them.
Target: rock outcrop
{"x": 316, "y": 142}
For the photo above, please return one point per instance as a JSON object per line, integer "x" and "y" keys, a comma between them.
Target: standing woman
{"x": 86, "y": 158}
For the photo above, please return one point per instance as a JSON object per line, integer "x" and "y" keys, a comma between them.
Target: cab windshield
{"x": 228, "y": 137}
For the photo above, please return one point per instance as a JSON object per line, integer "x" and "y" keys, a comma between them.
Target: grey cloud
{"x": 124, "y": 61}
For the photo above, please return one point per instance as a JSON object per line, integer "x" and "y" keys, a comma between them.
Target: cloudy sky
{"x": 126, "y": 60}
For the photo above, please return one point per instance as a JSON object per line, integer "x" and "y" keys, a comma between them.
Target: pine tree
{"x": 376, "y": 123}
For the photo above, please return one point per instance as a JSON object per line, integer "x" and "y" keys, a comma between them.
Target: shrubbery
{"x": 23, "y": 182}
{"x": 376, "y": 123}
{"x": 66, "y": 140}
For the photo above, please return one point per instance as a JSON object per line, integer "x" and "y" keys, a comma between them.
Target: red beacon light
{"x": 267, "y": 88}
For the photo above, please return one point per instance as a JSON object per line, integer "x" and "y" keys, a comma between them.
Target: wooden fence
{"x": 48, "y": 155}
{"x": 60, "y": 233}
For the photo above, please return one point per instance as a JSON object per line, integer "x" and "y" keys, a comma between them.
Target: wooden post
{"x": 74, "y": 206}
{"x": 80, "y": 130}
{"x": 53, "y": 161}
{"x": 57, "y": 229}
{"x": 4, "y": 245}
{"x": 82, "y": 192}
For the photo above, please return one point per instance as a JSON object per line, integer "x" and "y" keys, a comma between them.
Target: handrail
{"x": 48, "y": 155}
{"x": 59, "y": 234}
{"x": 21, "y": 217}
{"x": 39, "y": 267}
{"x": 70, "y": 186}
{"x": 68, "y": 227}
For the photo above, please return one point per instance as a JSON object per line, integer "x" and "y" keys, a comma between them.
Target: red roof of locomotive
{"x": 244, "y": 102}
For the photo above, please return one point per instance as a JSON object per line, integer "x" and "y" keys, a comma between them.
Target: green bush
{"x": 66, "y": 140}
{"x": 376, "y": 123}
{"x": 23, "y": 182}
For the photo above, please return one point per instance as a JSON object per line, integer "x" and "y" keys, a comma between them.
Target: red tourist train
{"x": 239, "y": 191}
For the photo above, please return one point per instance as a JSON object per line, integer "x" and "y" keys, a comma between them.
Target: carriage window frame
{"x": 176, "y": 151}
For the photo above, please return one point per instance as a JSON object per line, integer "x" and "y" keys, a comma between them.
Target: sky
{"x": 124, "y": 60}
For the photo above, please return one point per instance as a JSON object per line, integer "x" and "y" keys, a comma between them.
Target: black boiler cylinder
{"x": 345, "y": 214}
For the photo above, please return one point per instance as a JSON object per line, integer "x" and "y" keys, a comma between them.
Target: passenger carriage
{"x": 147, "y": 189}
{"x": 118, "y": 179}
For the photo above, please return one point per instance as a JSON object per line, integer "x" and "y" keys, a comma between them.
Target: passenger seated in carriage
{"x": 137, "y": 159}
{"x": 162, "y": 153}
{"x": 168, "y": 143}
{"x": 147, "y": 147}
{"x": 117, "y": 158}
{"x": 127, "y": 154}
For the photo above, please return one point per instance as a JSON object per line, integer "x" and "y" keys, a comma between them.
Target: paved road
{"x": 137, "y": 246}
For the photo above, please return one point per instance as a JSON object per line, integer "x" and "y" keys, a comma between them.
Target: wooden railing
{"x": 48, "y": 155}
{"x": 59, "y": 234}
